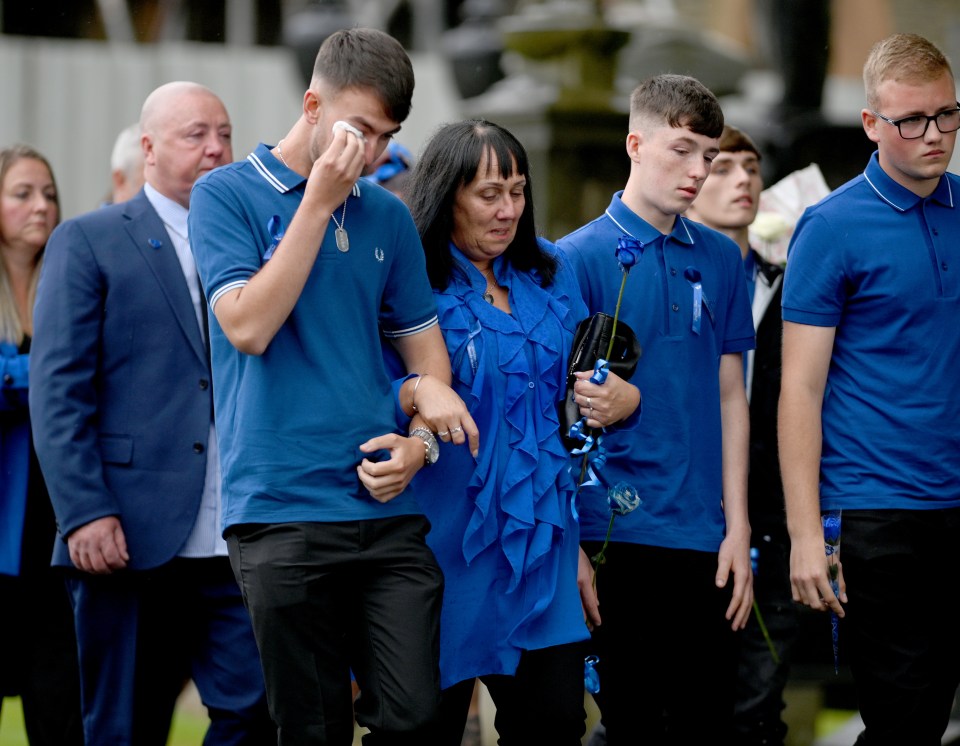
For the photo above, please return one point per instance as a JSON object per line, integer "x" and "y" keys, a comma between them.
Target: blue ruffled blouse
{"x": 503, "y": 527}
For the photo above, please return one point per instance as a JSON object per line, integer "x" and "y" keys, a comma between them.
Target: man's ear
{"x": 312, "y": 106}
{"x": 634, "y": 141}
{"x": 870, "y": 121}
{"x": 146, "y": 145}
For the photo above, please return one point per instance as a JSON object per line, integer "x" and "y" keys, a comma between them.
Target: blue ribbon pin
{"x": 700, "y": 300}
{"x": 275, "y": 229}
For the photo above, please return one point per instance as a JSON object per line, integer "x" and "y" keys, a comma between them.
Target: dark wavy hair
{"x": 449, "y": 161}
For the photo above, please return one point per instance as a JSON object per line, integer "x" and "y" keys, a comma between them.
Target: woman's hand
{"x": 605, "y": 403}
{"x": 441, "y": 410}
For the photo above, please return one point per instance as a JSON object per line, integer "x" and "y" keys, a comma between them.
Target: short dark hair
{"x": 680, "y": 100}
{"x": 735, "y": 140}
{"x": 368, "y": 58}
{"x": 449, "y": 161}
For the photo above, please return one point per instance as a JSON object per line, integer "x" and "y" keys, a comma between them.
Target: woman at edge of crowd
{"x": 518, "y": 598}
{"x": 40, "y": 659}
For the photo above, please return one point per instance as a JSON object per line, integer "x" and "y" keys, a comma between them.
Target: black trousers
{"x": 760, "y": 679}
{"x": 330, "y": 598}
{"x": 541, "y": 703}
{"x": 39, "y": 660}
{"x": 667, "y": 654}
{"x": 901, "y": 632}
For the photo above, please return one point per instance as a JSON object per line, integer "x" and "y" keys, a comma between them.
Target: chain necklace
{"x": 280, "y": 154}
{"x": 491, "y": 284}
{"x": 343, "y": 238}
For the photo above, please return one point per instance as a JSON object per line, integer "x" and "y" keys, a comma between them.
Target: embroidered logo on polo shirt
{"x": 378, "y": 252}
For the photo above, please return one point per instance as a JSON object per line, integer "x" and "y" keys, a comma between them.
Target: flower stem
{"x": 763, "y": 628}
{"x": 616, "y": 315}
{"x": 600, "y": 557}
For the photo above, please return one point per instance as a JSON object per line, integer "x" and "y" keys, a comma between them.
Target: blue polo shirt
{"x": 290, "y": 421}
{"x": 673, "y": 457}
{"x": 882, "y": 265}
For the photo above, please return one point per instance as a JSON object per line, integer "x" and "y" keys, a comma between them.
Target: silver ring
{"x": 456, "y": 429}
{"x": 442, "y": 433}
{"x": 589, "y": 405}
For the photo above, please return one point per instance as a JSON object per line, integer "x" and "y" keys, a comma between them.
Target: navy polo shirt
{"x": 673, "y": 457}
{"x": 290, "y": 421}
{"x": 882, "y": 265}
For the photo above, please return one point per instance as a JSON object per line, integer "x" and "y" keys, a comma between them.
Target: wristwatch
{"x": 431, "y": 447}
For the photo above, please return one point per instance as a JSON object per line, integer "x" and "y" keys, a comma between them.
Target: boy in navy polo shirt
{"x": 305, "y": 265}
{"x": 870, "y": 400}
{"x": 667, "y": 672}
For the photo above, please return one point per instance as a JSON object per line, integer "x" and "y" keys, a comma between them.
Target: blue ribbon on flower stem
{"x": 831, "y": 545}
{"x": 593, "y": 461}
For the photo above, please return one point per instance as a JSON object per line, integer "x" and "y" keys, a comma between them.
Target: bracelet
{"x": 413, "y": 396}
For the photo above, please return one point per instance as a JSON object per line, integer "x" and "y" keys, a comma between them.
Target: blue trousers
{"x": 142, "y": 635}
{"x": 330, "y": 598}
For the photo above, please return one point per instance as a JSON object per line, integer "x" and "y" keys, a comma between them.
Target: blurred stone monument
{"x": 570, "y": 66}
{"x": 558, "y": 99}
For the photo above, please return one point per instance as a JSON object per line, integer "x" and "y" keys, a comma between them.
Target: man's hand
{"x": 385, "y": 480}
{"x": 588, "y": 592}
{"x": 99, "y": 547}
{"x": 734, "y": 556}
{"x": 810, "y": 577}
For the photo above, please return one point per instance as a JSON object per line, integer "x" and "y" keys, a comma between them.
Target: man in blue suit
{"x": 123, "y": 420}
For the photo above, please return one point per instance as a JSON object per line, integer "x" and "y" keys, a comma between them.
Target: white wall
{"x": 70, "y": 99}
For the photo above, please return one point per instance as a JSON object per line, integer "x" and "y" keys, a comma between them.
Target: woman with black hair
{"x": 504, "y": 526}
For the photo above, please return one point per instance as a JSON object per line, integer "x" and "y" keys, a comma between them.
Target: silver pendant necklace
{"x": 343, "y": 239}
{"x": 488, "y": 294}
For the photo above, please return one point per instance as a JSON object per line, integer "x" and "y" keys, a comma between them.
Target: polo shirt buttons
{"x": 673, "y": 271}
{"x": 944, "y": 265}
{"x": 204, "y": 384}
{"x": 198, "y": 447}
{"x": 529, "y": 384}
{"x": 676, "y": 307}
{"x": 7, "y": 379}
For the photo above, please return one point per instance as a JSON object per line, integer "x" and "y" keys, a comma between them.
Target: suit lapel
{"x": 151, "y": 240}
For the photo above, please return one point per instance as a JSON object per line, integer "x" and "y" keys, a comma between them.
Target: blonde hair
{"x": 908, "y": 58}
{"x": 11, "y": 325}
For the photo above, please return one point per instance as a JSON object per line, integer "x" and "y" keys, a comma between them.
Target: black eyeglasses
{"x": 915, "y": 127}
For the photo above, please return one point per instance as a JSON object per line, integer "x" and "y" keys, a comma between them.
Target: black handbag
{"x": 590, "y": 343}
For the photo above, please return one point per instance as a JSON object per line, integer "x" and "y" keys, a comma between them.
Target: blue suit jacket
{"x": 120, "y": 394}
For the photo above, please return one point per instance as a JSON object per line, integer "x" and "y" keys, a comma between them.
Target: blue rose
{"x": 623, "y": 498}
{"x": 629, "y": 251}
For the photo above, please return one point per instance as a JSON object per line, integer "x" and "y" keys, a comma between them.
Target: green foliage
{"x": 188, "y": 727}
